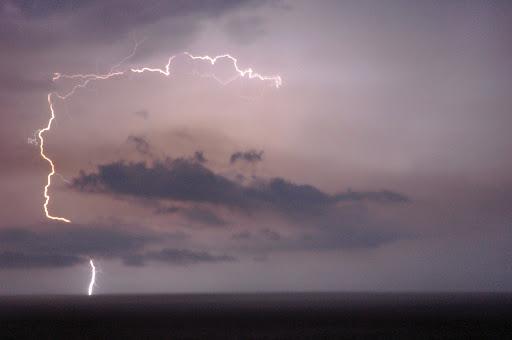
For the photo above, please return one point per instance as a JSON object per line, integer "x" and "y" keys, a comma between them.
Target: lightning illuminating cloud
{"x": 85, "y": 79}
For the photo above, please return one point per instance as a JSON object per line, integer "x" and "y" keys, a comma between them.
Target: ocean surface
{"x": 258, "y": 316}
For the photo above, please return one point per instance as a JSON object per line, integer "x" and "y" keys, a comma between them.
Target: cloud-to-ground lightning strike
{"x": 93, "y": 277}
{"x": 87, "y": 78}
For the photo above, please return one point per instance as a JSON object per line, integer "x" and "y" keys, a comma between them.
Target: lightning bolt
{"x": 241, "y": 72}
{"x": 93, "y": 277}
{"x": 52, "y": 166}
{"x": 85, "y": 79}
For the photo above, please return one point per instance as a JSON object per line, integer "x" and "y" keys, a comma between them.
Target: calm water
{"x": 258, "y": 316}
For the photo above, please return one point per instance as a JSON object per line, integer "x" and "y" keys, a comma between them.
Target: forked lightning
{"x": 85, "y": 79}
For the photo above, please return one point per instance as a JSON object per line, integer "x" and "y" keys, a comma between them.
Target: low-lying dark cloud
{"x": 59, "y": 247}
{"x": 16, "y": 260}
{"x": 177, "y": 257}
{"x": 54, "y": 247}
{"x": 190, "y": 181}
{"x": 251, "y": 156}
{"x": 77, "y": 240}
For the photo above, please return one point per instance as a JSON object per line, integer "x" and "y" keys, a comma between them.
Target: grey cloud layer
{"x": 177, "y": 256}
{"x": 191, "y": 181}
{"x": 326, "y": 221}
{"x": 98, "y": 20}
{"x": 54, "y": 247}
{"x": 76, "y": 240}
{"x": 17, "y": 260}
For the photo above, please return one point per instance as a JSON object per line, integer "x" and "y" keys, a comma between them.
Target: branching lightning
{"x": 52, "y": 166}
{"x": 241, "y": 72}
{"x": 93, "y": 277}
{"x": 85, "y": 79}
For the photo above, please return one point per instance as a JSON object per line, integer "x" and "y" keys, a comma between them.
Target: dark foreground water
{"x": 258, "y": 316}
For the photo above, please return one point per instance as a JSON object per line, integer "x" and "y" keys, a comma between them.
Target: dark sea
{"x": 258, "y": 316}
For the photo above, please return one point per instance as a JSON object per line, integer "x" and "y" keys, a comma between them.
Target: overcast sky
{"x": 381, "y": 163}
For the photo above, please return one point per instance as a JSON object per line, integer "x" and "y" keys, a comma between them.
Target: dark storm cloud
{"x": 183, "y": 179}
{"x": 179, "y": 179}
{"x": 204, "y": 216}
{"x": 177, "y": 257}
{"x": 74, "y": 245}
{"x": 51, "y": 22}
{"x": 196, "y": 215}
{"x": 140, "y": 143}
{"x": 289, "y": 197}
{"x": 77, "y": 240}
{"x": 186, "y": 180}
{"x": 14, "y": 260}
{"x": 251, "y": 156}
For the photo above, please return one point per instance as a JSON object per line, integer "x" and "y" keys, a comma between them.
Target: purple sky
{"x": 382, "y": 163}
